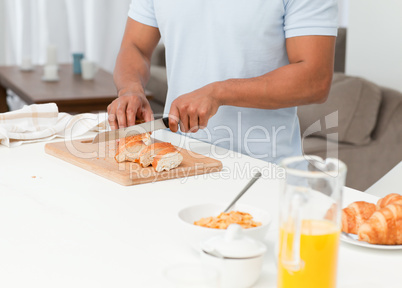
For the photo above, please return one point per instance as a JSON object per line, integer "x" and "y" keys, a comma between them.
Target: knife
{"x": 150, "y": 126}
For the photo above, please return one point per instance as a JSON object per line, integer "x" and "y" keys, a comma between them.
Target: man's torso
{"x": 208, "y": 41}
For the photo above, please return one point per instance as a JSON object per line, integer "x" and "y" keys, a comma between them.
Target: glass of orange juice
{"x": 310, "y": 222}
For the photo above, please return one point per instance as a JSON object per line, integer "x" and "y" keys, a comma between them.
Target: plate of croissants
{"x": 374, "y": 225}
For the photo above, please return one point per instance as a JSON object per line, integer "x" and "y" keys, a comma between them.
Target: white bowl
{"x": 196, "y": 234}
{"x": 235, "y": 273}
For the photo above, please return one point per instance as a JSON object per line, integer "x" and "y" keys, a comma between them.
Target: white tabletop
{"x": 389, "y": 183}
{"x": 67, "y": 227}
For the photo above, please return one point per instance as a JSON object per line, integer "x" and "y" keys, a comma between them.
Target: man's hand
{"x": 131, "y": 74}
{"x": 124, "y": 110}
{"x": 194, "y": 109}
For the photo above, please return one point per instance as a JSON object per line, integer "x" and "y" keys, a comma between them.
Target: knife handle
{"x": 166, "y": 121}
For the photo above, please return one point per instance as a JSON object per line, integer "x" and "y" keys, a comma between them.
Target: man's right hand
{"x": 125, "y": 109}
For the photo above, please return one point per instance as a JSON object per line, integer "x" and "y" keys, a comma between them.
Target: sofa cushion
{"x": 357, "y": 102}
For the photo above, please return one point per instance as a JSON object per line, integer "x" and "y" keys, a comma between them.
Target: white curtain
{"x": 94, "y": 27}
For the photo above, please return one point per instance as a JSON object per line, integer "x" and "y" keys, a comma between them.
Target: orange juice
{"x": 318, "y": 253}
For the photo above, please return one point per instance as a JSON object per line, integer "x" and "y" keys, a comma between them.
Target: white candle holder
{"x": 26, "y": 64}
{"x": 51, "y": 55}
{"x": 50, "y": 73}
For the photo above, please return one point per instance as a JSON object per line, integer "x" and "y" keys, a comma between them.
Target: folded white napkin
{"x": 43, "y": 122}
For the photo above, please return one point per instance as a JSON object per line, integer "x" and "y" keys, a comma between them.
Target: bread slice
{"x": 129, "y": 151}
{"x": 167, "y": 159}
{"x": 145, "y": 137}
{"x": 129, "y": 148}
{"x": 147, "y": 155}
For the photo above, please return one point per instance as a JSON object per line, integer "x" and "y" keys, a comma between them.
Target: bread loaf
{"x": 162, "y": 155}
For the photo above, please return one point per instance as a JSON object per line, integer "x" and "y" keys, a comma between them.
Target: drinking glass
{"x": 310, "y": 222}
{"x": 77, "y": 57}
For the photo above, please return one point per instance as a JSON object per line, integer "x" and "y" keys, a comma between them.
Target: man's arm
{"x": 131, "y": 74}
{"x": 306, "y": 80}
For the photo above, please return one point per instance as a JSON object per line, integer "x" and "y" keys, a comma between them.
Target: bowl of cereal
{"x": 203, "y": 221}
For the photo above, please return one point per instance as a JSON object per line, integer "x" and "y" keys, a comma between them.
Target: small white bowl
{"x": 235, "y": 273}
{"x": 239, "y": 258}
{"x": 196, "y": 234}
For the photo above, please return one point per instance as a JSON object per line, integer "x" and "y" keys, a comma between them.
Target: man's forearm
{"x": 291, "y": 85}
{"x": 131, "y": 72}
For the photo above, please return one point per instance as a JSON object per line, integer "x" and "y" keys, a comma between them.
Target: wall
{"x": 374, "y": 41}
{"x": 2, "y": 34}
{"x": 343, "y": 12}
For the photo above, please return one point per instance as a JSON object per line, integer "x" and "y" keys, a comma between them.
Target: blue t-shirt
{"x": 215, "y": 40}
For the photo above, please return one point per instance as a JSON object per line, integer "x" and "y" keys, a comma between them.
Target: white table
{"x": 68, "y": 227}
{"x": 389, "y": 183}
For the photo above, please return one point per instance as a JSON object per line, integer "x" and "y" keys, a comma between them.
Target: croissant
{"x": 393, "y": 198}
{"x": 355, "y": 215}
{"x": 384, "y": 226}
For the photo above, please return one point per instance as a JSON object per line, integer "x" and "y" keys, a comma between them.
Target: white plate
{"x": 368, "y": 198}
{"x": 354, "y": 241}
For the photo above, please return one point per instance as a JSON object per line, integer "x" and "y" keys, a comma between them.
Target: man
{"x": 238, "y": 68}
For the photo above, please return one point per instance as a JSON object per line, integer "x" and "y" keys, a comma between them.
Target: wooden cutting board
{"x": 99, "y": 159}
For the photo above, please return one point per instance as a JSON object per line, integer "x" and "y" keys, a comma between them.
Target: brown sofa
{"x": 361, "y": 123}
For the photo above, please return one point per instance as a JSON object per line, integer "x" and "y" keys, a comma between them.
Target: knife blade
{"x": 150, "y": 126}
